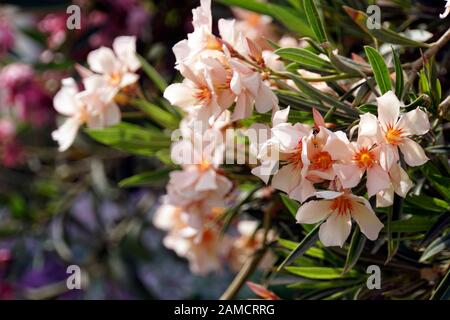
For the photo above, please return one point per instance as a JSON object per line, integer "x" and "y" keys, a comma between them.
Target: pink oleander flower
{"x": 392, "y": 132}
{"x": 117, "y": 67}
{"x": 447, "y": 10}
{"x": 204, "y": 92}
{"x": 193, "y": 233}
{"x": 254, "y": 26}
{"x": 251, "y": 92}
{"x": 7, "y": 129}
{"x": 338, "y": 208}
{"x": 356, "y": 158}
{"x": 215, "y": 77}
{"x": 400, "y": 184}
{"x": 286, "y": 147}
{"x": 93, "y": 106}
{"x": 249, "y": 241}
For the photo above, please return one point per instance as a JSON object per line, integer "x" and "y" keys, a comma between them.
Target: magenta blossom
{"x": 22, "y": 92}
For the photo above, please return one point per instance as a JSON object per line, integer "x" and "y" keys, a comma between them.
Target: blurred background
{"x": 59, "y": 209}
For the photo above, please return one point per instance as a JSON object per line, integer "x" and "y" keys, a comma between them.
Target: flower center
{"x": 213, "y": 44}
{"x": 205, "y": 165}
{"x": 203, "y": 95}
{"x": 342, "y": 205}
{"x": 393, "y": 135}
{"x": 364, "y": 158}
{"x": 321, "y": 161}
{"x": 296, "y": 157}
{"x": 115, "y": 78}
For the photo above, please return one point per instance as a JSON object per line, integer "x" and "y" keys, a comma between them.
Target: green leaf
{"x": 435, "y": 247}
{"x": 323, "y": 285}
{"x": 315, "y": 21}
{"x": 292, "y": 19}
{"x": 321, "y": 273}
{"x": 413, "y": 224}
{"x": 380, "y": 70}
{"x": 146, "y": 178}
{"x": 305, "y": 59}
{"x": 157, "y": 114}
{"x": 290, "y": 204}
{"x": 438, "y": 181}
{"x": 314, "y": 93}
{"x": 151, "y": 72}
{"x": 131, "y": 138}
{"x": 308, "y": 241}
{"x": 399, "y": 81}
{"x": 355, "y": 250}
{"x": 428, "y": 203}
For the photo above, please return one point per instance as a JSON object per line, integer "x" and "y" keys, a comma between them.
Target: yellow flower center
{"x": 364, "y": 158}
{"x": 205, "y": 165}
{"x": 213, "y": 44}
{"x": 393, "y": 135}
{"x": 115, "y": 79}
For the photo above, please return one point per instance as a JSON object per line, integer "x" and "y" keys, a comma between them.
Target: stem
{"x": 431, "y": 51}
{"x": 251, "y": 264}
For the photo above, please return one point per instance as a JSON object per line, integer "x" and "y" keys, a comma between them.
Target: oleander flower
{"x": 93, "y": 106}
{"x": 117, "y": 66}
{"x": 393, "y": 132}
{"x": 250, "y": 239}
{"x": 353, "y": 159}
{"x": 204, "y": 92}
{"x": 338, "y": 208}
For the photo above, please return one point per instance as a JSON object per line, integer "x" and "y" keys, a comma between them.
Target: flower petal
{"x": 413, "y": 153}
{"x": 349, "y": 174}
{"x": 368, "y": 222}
{"x": 65, "y": 135}
{"x": 313, "y": 211}
{"x": 388, "y": 109}
{"x": 103, "y": 61}
{"x": 377, "y": 180}
{"x": 125, "y": 49}
{"x": 335, "y": 230}
{"x": 414, "y": 122}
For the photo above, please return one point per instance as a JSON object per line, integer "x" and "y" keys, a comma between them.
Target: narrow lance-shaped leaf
{"x": 380, "y": 70}
{"x": 290, "y": 204}
{"x": 146, "y": 178}
{"x": 308, "y": 241}
{"x": 321, "y": 273}
{"x": 305, "y": 58}
{"x": 399, "y": 79}
{"x": 315, "y": 21}
{"x": 157, "y": 114}
{"x": 356, "y": 247}
{"x": 151, "y": 72}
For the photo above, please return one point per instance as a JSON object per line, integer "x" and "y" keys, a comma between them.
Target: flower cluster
{"x": 218, "y": 74}
{"x": 311, "y": 156}
{"x": 109, "y": 72}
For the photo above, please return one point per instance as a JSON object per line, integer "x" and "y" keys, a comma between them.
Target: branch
{"x": 431, "y": 51}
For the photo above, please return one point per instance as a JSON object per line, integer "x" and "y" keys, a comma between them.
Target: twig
{"x": 252, "y": 263}
{"x": 431, "y": 51}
